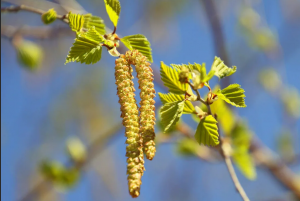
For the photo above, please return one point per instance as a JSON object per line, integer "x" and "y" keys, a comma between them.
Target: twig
{"x": 234, "y": 178}
{"x": 30, "y": 9}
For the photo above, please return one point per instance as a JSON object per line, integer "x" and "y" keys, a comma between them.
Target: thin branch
{"x": 234, "y": 178}
{"x": 30, "y": 9}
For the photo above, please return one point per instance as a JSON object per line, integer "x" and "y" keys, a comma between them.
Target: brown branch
{"x": 44, "y": 32}
{"x": 30, "y": 9}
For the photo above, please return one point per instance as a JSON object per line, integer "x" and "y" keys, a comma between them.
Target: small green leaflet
{"x": 233, "y": 94}
{"x": 207, "y": 131}
{"x": 138, "y": 42}
{"x": 86, "y": 48}
{"x": 113, "y": 9}
{"x": 169, "y": 98}
{"x": 81, "y": 23}
{"x": 170, "y": 114}
{"x": 221, "y": 70}
{"x": 170, "y": 77}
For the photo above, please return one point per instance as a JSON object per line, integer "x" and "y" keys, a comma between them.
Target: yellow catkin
{"x": 129, "y": 113}
{"x": 147, "y": 107}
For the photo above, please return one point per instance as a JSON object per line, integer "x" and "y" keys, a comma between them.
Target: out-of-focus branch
{"x": 30, "y": 9}
{"x": 43, "y": 32}
{"x": 217, "y": 33}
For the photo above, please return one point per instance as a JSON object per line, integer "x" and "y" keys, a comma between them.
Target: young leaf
{"x": 233, "y": 94}
{"x": 113, "y": 9}
{"x": 49, "y": 16}
{"x": 220, "y": 69}
{"x": 170, "y": 77}
{"x": 86, "y": 48}
{"x": 94, "y": 21}
{"x": 170, "y": 98}
{"x": 187, "y": 147}
{"x": 171, "y": 113}
{"x": 76, "y": 21}
{"x": 81, "y": 23}
{"x": 207, "y": 131}
{"x": 140, "y": 43}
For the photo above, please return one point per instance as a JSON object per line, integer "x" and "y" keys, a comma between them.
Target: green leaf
{"x": 86, "y": 48}
{"x": 170, "y": 114}
{"x": 138, "y": 42}
{"x": 170, "y": 77}
{"x": 76, "y": 21}
{"x": 113, "y": 9}
{"x": 170, "y": 98}
{"x": 244, "y": 163}
{"x": 233, "y": 94}
{"x": 207, "y": 131}
{"x": 221, "y": 70}
{"x": 94, "y": 21}
{"x": 82, "y": 23}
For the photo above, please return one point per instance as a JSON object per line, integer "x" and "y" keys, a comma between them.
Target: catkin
{"x": 147, "y": 107}
{"x": 129, "y": 113}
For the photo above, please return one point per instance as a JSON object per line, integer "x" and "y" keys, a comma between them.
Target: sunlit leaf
{"x": 207, "y": 131}
{"x": 170, "y": 98}
{"x": 220, "y": 69}
{"x": 170, "y": 114}
{"x": 86, "y": 48}
{"x": 82, "y": 23}
{"x": 113, "y": 9}
{"x": 170, "y": 77}
{"x": 233, "y": 94}
{"x": 94, "y": 21}
{"x": 138, "y": 42}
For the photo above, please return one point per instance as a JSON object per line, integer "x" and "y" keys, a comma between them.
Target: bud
{"x": 76, "y": 150}
{"x": 184, "y": 74}
{"x": 114, "y": 52}
{"x": 211, "y": 97}
{"x": 49, "y": 16}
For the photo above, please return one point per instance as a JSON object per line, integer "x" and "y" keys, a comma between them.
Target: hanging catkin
{"x": 129, "y": 113}
{"x": 147, "y": 107}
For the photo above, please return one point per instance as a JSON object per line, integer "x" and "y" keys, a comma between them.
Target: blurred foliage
{"x": 76, "y": 150}
{"x": 241, "y": 139}
{"x": 285, "y": 145}
{"x": 291, "y": 99}
{"x": 29, "y": 54}
{"x": 270, "y": 80}
{"x": 62, "y": 177}
{"x": 187, "y": 147}
{"x": 258, "y": 35}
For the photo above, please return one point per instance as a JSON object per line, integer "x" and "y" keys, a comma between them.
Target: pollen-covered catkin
{"x": 147, "y": 107}
{"x": 129, "y": 113}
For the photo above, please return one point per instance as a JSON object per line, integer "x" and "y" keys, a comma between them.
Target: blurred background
{"x": 53, "y": 111}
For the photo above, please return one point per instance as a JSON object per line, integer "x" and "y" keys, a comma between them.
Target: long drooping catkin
{"x": 129, "y": 113}
{"x": 147, "y": 108}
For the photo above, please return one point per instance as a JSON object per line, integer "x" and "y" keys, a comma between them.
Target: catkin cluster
{"x": 147, "y": 108}
{"x": 139, "y": 130}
